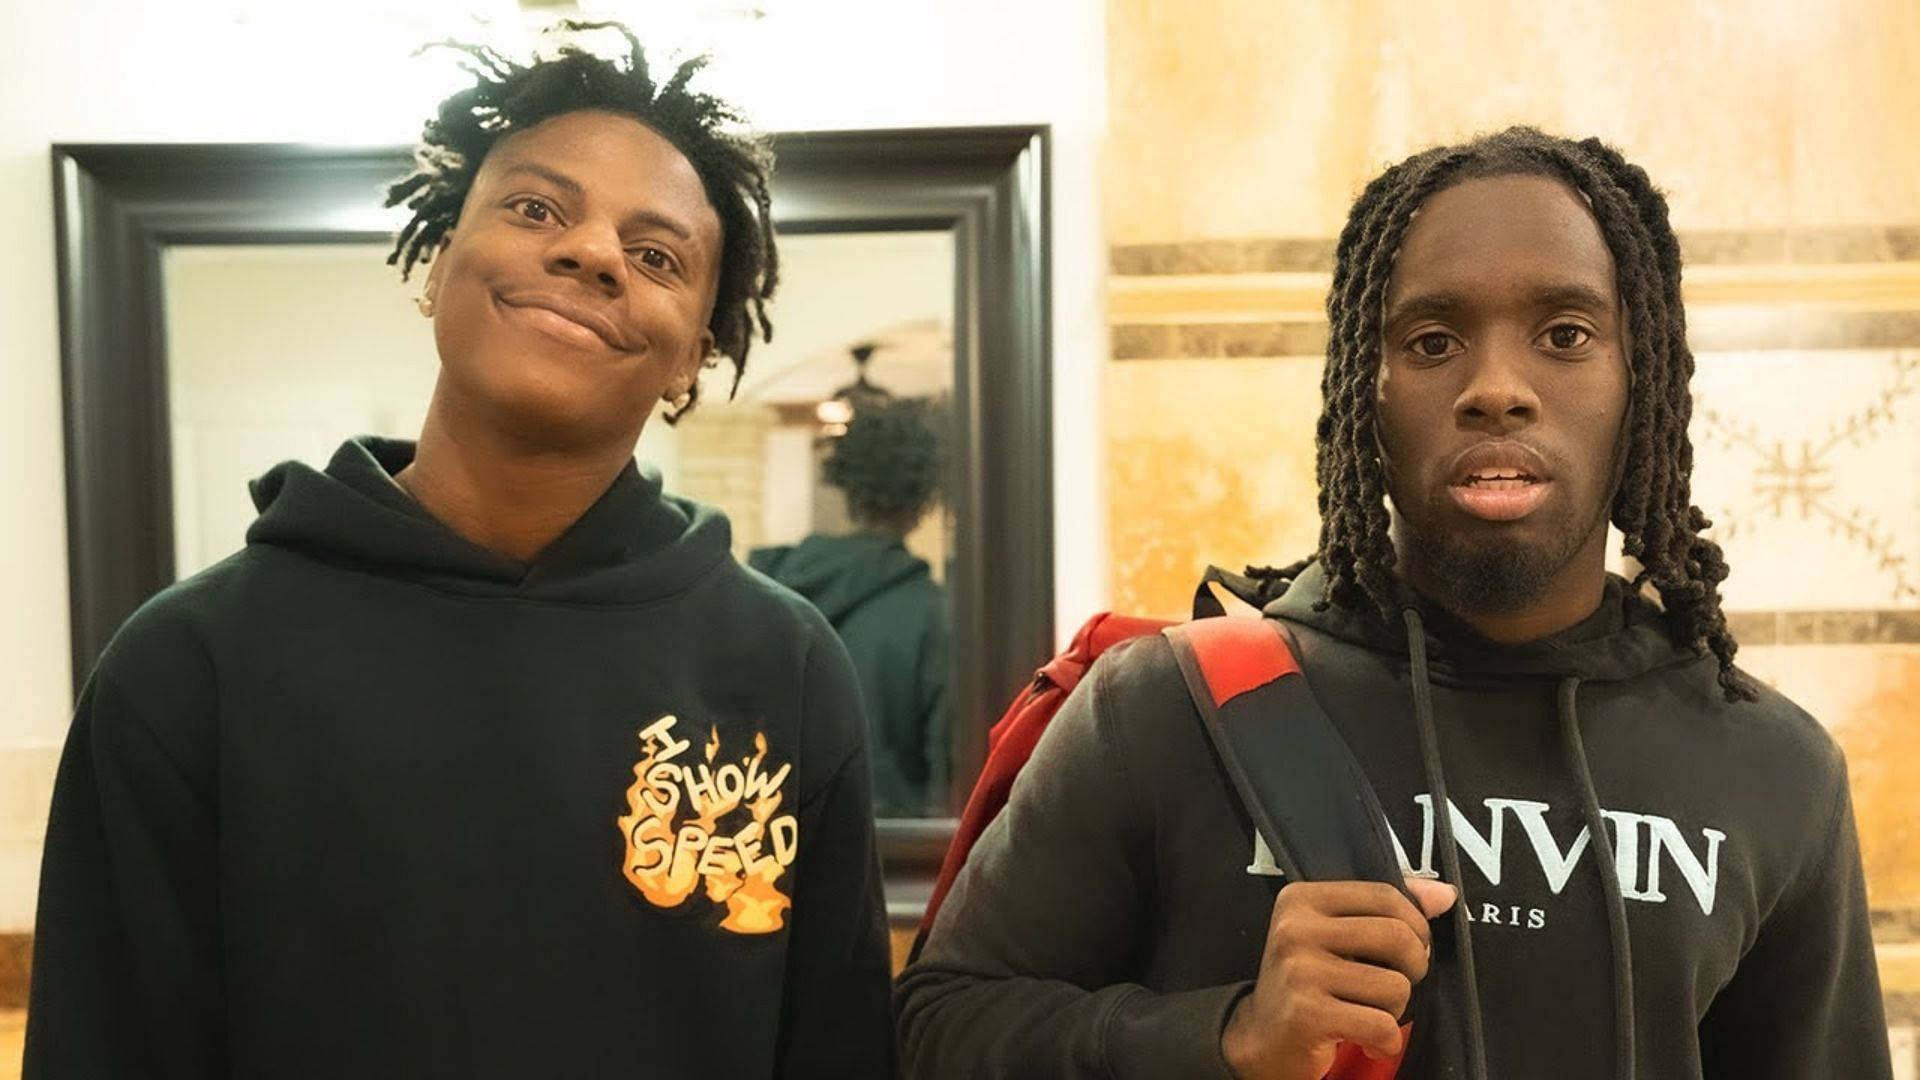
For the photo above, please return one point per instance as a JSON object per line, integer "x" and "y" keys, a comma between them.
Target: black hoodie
{"x": 1109, "y": 919}
{"x": 883, "y": 602}
{"x": 368, "y": 800}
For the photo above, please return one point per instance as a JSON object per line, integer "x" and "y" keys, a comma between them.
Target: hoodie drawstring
{"x": 1576, "y": 751}
{"x": 1449, "y": 852}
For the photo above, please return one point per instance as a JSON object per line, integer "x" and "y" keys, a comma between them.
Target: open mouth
{"x": 1499, "y": 479}
{"x": 1499, "y": 493}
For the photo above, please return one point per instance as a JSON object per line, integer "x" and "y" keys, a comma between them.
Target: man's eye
{"x": 1568, "y": 336}
{"x": 533, "y": 210}
{"x": 1433, "y": 346}
{"x": 654, "y": 258}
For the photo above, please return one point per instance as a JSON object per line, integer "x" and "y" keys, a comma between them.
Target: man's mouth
{"x": 563, "y": 317}
{"x": 1499, "y": 498}
{"x": 1499, "y": 479}
{"x": 1499, "y": 482}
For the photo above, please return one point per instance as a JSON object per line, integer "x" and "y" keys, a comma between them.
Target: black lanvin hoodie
{"x": 1108, "y": 920}
{"x": 367, "y": 800}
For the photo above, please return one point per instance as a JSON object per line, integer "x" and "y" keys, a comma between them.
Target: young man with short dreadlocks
{"x": 1622, "y": 856}
{"x": 484, "y": 758}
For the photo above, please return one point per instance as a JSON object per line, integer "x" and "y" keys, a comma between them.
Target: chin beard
{"x": 1493, "y": 576}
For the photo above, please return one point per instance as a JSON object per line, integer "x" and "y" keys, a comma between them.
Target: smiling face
{"x": 1502, "y": 392}
{"x": 575, "y": 291}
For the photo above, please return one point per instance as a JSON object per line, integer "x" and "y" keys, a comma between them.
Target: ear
{"x": 431, "y": 290}
{"x": 687, "y": 372}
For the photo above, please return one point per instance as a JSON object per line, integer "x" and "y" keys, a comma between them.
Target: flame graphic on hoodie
{"x": 674, "y": 839}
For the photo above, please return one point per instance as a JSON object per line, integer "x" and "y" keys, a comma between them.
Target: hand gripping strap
{"x": 1295, "y": 775}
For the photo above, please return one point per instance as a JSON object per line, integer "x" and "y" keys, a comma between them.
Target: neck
{"x": 1544, "y": 620}
{"x": 500, "y": 493}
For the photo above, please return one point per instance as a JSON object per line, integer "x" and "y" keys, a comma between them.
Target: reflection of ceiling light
{"x": 833, "y": 431}
{"x": 834, "y": 412}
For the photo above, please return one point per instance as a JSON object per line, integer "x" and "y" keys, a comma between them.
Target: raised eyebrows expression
{"x": 636, "y": 220}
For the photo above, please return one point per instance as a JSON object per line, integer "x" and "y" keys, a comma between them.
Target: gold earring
{"x": 425, "y": 304}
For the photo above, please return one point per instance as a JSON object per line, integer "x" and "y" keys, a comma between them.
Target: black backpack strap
{"x": 1295, "y": 775}
{"x": 1253, "y": 591}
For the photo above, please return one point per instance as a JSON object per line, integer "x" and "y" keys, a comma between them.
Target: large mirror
{"x": 228, "y": 307}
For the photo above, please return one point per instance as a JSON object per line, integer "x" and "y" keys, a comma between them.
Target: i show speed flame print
{"x": 692, "y": 822}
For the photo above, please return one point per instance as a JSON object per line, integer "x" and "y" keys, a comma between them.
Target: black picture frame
{"x": 119, "y": 207}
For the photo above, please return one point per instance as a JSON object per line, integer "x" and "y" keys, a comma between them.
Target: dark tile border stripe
{"x": 16, "y": 961}
{"x": 1218, "y": 341}
{"x": 1890, "y": 927}
{"x": 1222, "y": 257}
{"x": 1862, "y": 244}
{"x": 1891, "y": 626}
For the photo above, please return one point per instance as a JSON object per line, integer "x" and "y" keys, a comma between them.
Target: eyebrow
{"x": 558, "y": 179}
{"x": 1444, "y": 305}
{"x": 572, "y": 189}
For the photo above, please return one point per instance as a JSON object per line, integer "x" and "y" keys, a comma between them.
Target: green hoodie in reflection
{"x": 892, "y": 615}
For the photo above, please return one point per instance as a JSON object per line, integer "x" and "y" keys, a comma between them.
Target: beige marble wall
{"x": 1244, "y": 118}
{"x": 1783, "y": 134}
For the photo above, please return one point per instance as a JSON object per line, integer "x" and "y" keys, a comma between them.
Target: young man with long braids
{"x": 1646, "y": 862}
{"x": 485, "y": 758}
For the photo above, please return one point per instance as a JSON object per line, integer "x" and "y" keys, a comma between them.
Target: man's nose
{"x": 593, "y": 254}
{"x": 1499, "y": 397}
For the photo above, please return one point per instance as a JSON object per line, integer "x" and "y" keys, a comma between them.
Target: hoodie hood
{"x": 837, "y": 574}
{"x": 1626, "y": 637}
{"x": 633, "y": 545}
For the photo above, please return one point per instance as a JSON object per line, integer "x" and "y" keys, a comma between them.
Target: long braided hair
{"x": 734, "y": 169}
{"x": 1653, "y": 506}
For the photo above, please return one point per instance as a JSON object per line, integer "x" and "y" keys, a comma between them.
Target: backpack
{"x": 1297, "y": 780}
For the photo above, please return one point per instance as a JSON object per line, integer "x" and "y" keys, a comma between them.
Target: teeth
{"x": 1502, "y": 478}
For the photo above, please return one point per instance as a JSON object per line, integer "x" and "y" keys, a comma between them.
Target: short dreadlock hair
{"x": 734, "y": 169}
{"x": 889, "y": 462}
{"x": 1653, "y": 505}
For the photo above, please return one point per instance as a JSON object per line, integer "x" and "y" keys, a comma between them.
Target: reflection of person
{"x": 1657, "y": 855}
{"x": 882, "y": 599}
{"x": 484, "y": 758}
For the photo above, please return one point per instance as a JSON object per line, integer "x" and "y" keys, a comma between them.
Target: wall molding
{"x": 1883, "y": 626}
{"x": 1846, "y": 289}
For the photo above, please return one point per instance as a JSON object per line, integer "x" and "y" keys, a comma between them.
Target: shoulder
{"x": 1139, "y": 665}
{"x": 153, "y": 696}
{"x": 1134, "y": 700}
{"x": 174, "y": 634}
{"x": 770, "y": 606}
{"x": 781, "y": 622}
{"x": 1771, "y": 735}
